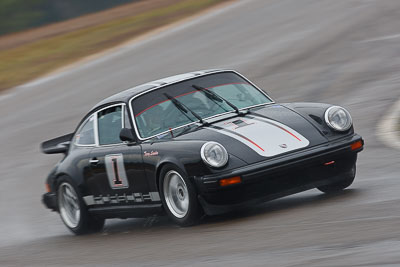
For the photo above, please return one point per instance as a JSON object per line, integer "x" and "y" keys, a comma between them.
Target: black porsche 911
{"x": 202, "y": 142}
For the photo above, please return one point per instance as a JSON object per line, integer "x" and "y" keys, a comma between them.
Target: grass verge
{"x": 26, "y": 62}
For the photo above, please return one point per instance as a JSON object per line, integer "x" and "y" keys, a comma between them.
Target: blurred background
{"x": 59, "y": 58}
{"x": 19, "y": 15}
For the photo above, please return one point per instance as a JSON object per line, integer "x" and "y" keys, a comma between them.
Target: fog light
{"x": 356, "y": 145}
{"x": 230, "y": 181}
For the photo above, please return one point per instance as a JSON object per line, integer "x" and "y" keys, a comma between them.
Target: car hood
{"x": 264, "y": 133}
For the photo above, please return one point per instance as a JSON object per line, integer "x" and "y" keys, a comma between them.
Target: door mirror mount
{"x": 126, "y": 135}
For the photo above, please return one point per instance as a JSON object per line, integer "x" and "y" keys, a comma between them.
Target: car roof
{"x": 124, "y": 96}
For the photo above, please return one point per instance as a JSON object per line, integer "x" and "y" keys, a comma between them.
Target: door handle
{"x": 94, "y": 161}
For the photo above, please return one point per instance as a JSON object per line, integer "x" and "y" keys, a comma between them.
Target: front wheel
{"x": 179, "y": 196}
{"x": 73, "y": 211}
{"x": 342, "y": 184}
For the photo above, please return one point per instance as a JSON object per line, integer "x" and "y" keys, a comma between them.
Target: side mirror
{"x": 126, "y": 135}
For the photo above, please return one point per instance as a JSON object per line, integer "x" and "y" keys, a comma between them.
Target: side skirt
{"x": 130, "y": 211}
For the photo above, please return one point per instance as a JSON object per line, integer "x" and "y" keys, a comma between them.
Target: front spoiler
{"x": 306, "y": 162}
{"x": 213, "y": 209}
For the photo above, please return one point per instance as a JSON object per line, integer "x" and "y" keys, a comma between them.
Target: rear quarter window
{"x": 85, "y": 134}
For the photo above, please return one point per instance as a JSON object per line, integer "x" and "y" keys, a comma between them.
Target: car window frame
{"x": 140, "y": 138}
{"x": 123, "y": 107}
{"x": 74, "y": 141}
{"x": 95, "y": 125}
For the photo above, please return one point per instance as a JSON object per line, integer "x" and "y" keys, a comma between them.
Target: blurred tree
{"x": 18, "y": 15}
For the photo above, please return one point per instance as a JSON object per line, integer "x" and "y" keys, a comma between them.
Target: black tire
{"x": 193, "y": 211}
{"x": 86, "y": 223}
{"x": 340, "y": 185}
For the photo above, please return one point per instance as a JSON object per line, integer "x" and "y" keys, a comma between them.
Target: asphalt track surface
{"x": 341, "y": 52}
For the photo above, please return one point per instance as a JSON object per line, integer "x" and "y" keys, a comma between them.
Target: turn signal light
{"x": 356, "y": 145}
{"x": 48, "y": 188}
{"x": 230, "y": 181}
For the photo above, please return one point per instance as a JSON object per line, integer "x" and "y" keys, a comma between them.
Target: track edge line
{"x": 387, "y": 130}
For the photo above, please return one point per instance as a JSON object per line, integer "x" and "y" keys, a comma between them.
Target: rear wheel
{"x": 342, "y": 184}
{"x": 179, "y": 196}
{"x": 73, "y": 211}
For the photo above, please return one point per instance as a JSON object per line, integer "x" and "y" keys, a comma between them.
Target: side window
{"x": 109, "y": 122}
{"x": 85, "y": 135}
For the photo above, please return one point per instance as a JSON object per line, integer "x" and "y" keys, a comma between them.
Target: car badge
{"x": 283, "y": 145}
{"x": 149, "y": 154}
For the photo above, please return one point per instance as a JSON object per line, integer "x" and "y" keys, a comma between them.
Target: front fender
{"x": 185, "y": 154}
{"x": 314, "y": 113}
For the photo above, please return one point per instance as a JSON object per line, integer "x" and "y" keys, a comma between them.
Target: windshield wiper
{"x": 182, "y": 107}
{"x": 212, "y": 95}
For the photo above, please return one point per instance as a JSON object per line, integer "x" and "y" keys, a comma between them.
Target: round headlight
{"x": 338, "y": 118}
{"x": 214, "y": 154}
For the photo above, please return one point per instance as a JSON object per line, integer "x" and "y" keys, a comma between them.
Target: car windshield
{"x": 172, "y": 106}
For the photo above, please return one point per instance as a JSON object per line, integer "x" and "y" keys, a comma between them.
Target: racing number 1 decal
{"x": 116, "y": 171}
{"x": 117, "y": 181}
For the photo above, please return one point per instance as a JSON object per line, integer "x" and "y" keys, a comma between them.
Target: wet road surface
{"x": 340, "y": 52}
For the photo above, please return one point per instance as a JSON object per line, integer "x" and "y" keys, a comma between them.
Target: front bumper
{"x": 280, "y": 176}
{"x": 50, "y": 201}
